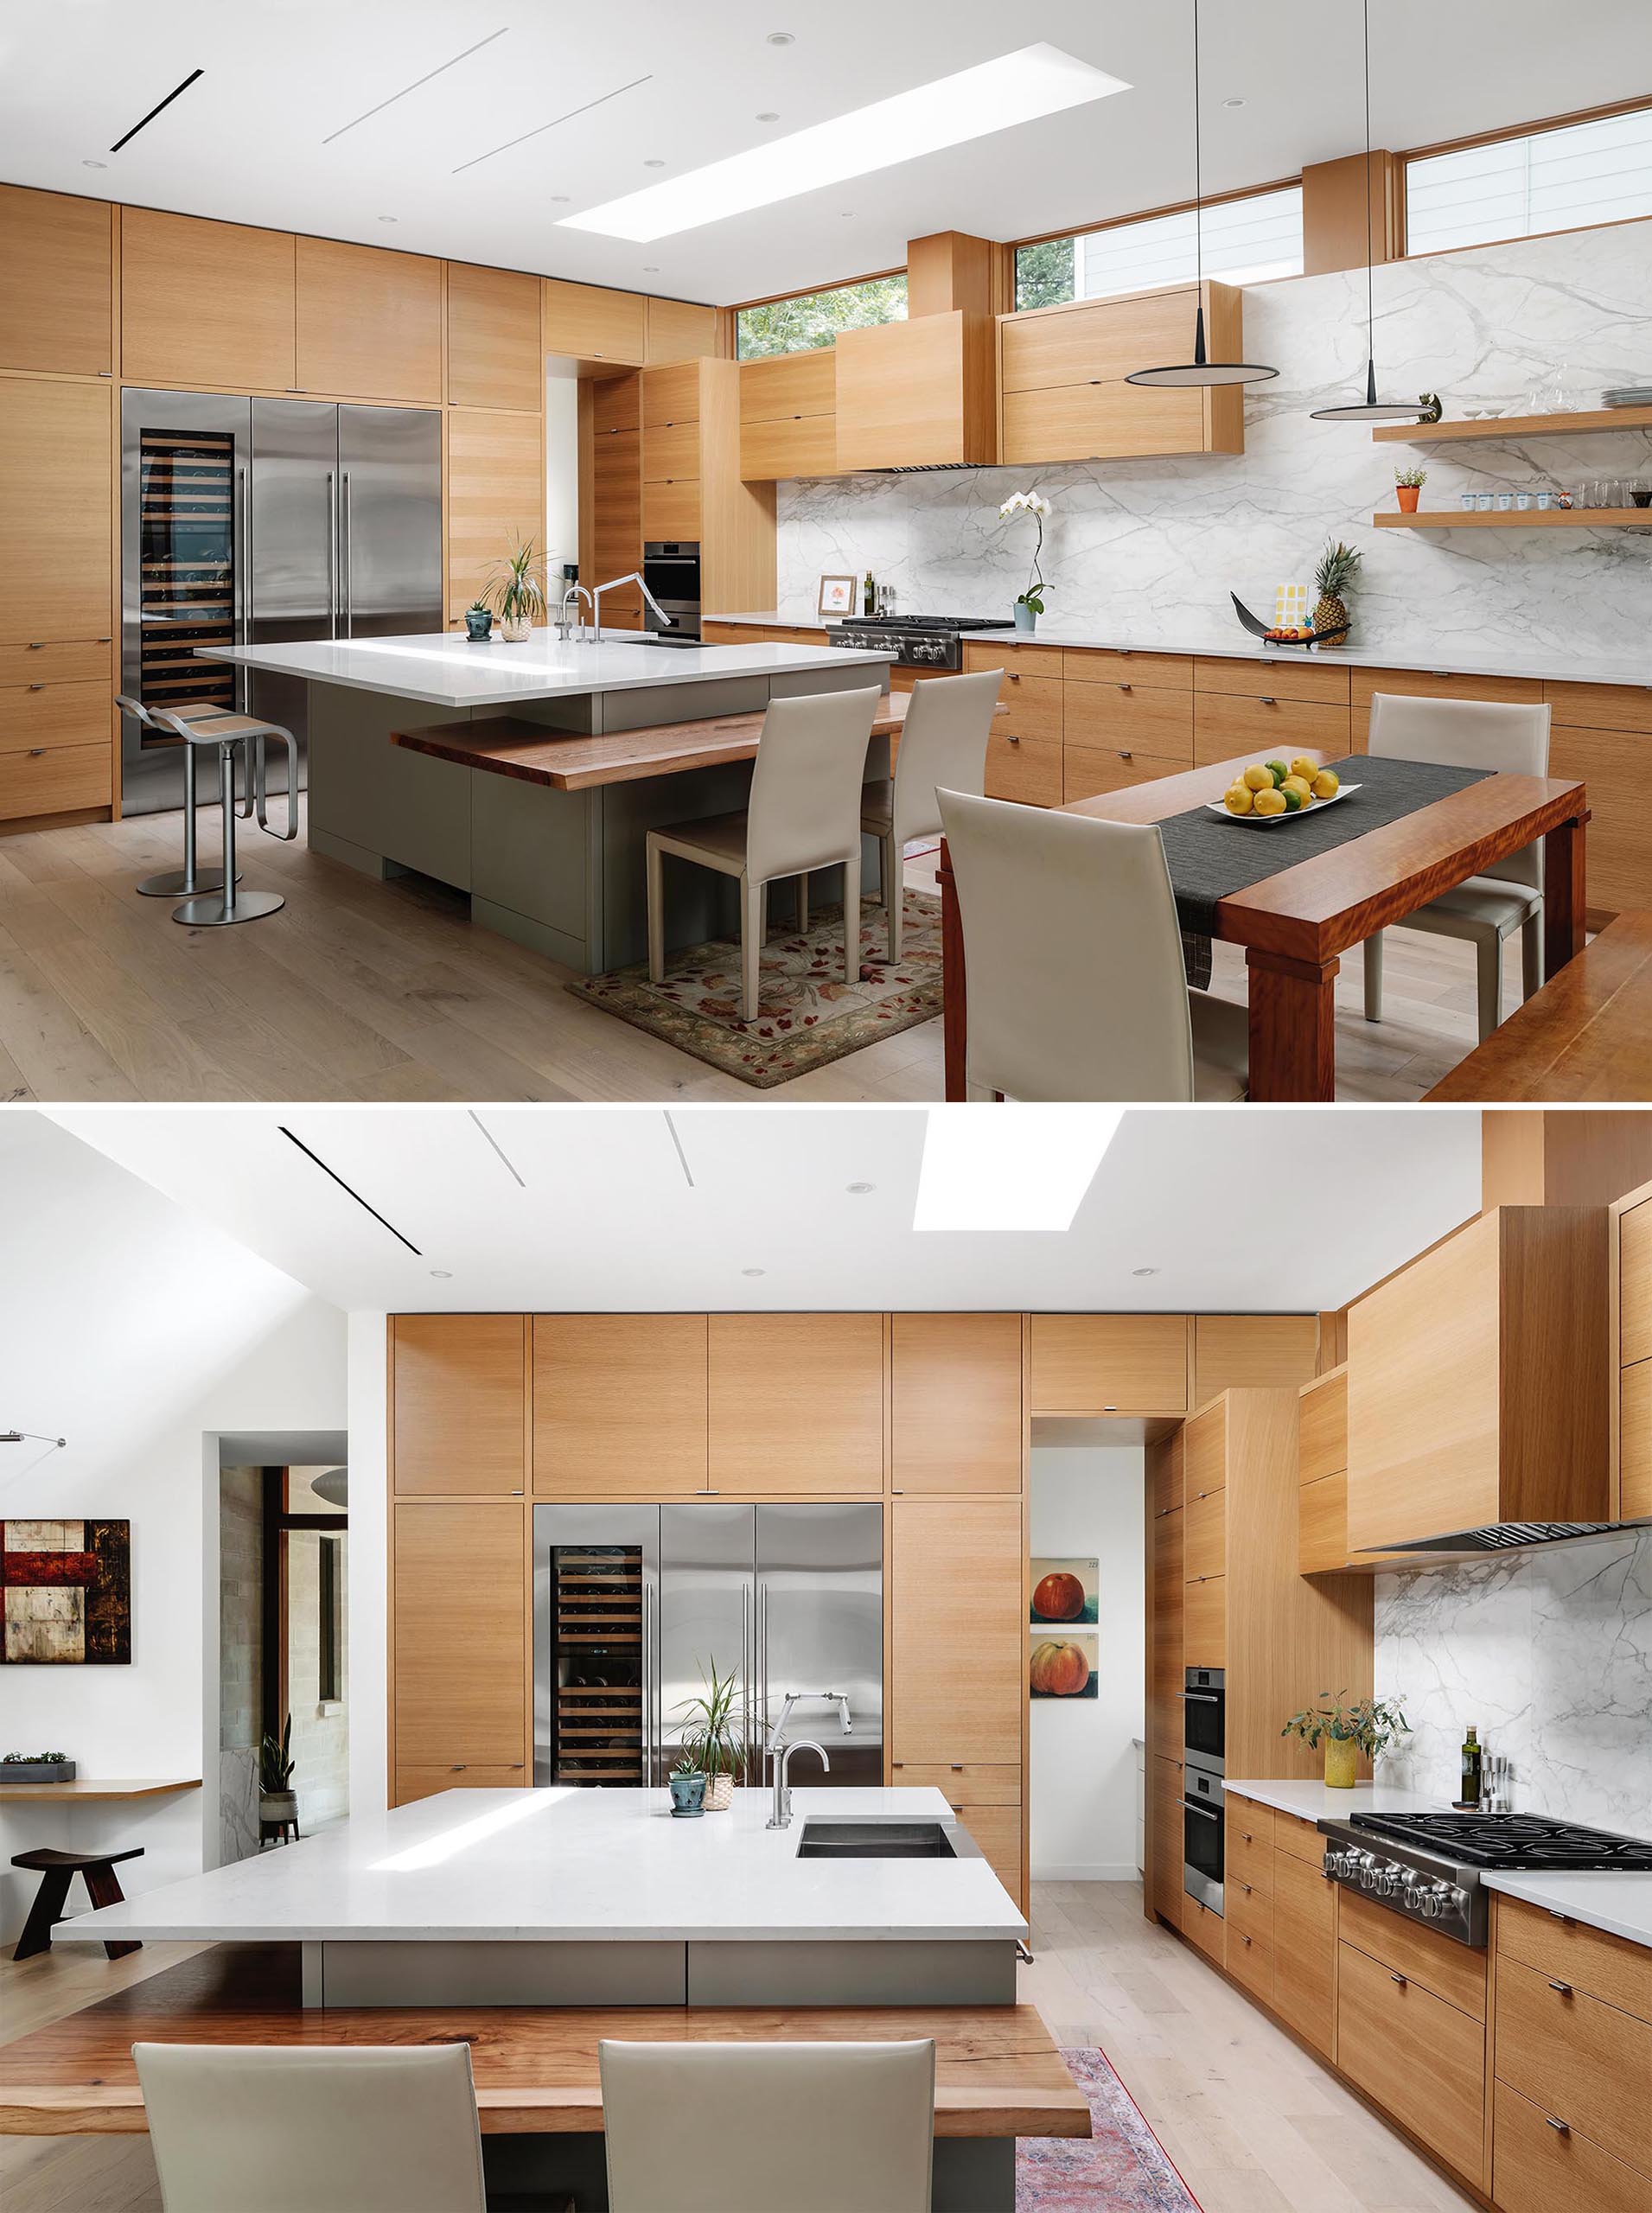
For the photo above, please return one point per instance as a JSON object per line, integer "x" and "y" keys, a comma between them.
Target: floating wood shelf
{"x": 1516, "y": 426}
{"x": 1533, "y": 519}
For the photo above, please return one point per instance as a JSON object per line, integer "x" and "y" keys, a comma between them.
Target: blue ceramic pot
{"x": 687, "y": 1797}
{"x": 477, "y": 627}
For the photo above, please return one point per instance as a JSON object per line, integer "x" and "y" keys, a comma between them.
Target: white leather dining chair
{"x": 267, "y": 2128}
{"x": 755, "y": 2127}
{"x": 943, "y": 741}
{"x": 804, "y": 812}
{"x": 1472, "y": 734}
{"x": 1077, "y": 985}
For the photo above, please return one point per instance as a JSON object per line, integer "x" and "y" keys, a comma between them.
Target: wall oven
{"x": 1204, "y": 1830}
{"x": 671, "y": 569}
{"x": 1204, "y": 1728}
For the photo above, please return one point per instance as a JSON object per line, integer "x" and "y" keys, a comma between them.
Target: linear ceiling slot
{"x": 510, "y": 1165}
{"x": 554, "y": 121}
{"x": 156, "y": 109}
{"x": 688, "y": 1172}
{"x": 350, "y": 1188}
{"x": 417, "y": 81}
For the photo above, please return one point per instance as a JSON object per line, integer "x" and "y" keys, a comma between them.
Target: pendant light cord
{"x": 1370, "y": 316}
{"x": 1198, "y": 165}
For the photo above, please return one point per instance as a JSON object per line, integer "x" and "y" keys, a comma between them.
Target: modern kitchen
{"x": 1177, "y": 1662}
{"x": 471, "y": 579}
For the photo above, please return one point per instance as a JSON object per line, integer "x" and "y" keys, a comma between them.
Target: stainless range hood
{"x": 1508, "y": 1536}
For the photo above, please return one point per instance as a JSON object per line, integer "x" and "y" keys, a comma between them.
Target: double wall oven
{"x": 1204, "y": 1742}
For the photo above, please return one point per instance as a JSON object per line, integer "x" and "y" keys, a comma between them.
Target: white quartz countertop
{"x": 446, "y": 671}
{"x": 1310, "y": 1801}
{"x": 549, "y": 1864}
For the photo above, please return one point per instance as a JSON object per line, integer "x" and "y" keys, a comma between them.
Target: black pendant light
{"x": 1200, "y": 370}
{"x": 1370, "y": 409}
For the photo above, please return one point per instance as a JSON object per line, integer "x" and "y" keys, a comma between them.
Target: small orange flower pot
{"x": 1406, "y": 495}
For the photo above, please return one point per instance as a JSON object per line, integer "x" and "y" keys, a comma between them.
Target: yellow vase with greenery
{"x": 1342, "y": 1762}
{"x": 1366, "y": 1728}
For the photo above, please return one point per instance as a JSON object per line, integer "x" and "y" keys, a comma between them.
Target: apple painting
{"x": 1062, "y": 1668}
{"x": 1063, "y": 1591}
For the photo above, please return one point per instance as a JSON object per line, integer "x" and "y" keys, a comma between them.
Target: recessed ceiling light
{"x": 859, "y": 1191}
{"x": 1143, "y": 1271}
{"x": 995, "y": 96}
{"x": 654, "y": 163}
{"x": 847, "y": 213}
{"x": 1234, "y": 103}
{"x": 560, "y": 199}
{"x": 769, "y": 115}
{"x": 779, "y": 38}
{"x": 446, "y": 1274}
{"x": 754, "y": 1271}
{"x": 94, "y": 165}
{"x": 390, "y": 219}
{"x": 1012, "y": 1168}
{"x": 651, "y": 268}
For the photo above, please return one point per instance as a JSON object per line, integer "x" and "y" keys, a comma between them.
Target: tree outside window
{"x": 810, "y": 319}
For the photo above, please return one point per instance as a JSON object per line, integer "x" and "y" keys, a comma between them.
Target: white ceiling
{"x": 1264, "y": 1209}
{"x": 247, "y": 142}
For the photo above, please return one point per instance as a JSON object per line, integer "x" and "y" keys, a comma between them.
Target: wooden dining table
{"x": 1296, "y": 924}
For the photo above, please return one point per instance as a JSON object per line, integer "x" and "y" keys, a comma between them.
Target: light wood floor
{"x": 359, "y": 990}
{"x": 1254, "y": 2123}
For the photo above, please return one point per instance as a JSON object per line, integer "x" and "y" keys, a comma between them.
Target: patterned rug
{"x": 810, "y": 1015}
{"x": 1122, "y": 2168}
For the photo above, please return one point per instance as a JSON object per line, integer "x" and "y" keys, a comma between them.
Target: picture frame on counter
{"x": 836, "y": 595}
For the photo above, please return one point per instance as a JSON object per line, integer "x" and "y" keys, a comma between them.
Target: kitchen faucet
{"x": 781, "y": 1816}
{"x": 613, "y": 584}
{"x": 575, "y": 592}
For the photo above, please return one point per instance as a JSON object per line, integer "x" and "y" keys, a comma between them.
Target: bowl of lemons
{"x": 1276, "y": 791}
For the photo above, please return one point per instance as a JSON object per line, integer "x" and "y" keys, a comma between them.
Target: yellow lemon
{"x": 1238, "y": 799}
{"x": 1326, "y": 784}
{"x": 1303, "y": 767}
{"x": 1300, "y": 785}
{"x": 1272, "y": 801}
{"x": 1257, "y": 778}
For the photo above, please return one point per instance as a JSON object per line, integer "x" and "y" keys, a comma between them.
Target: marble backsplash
{"x": 1151, "y": 549}
{"x": 1549, "y": 1651}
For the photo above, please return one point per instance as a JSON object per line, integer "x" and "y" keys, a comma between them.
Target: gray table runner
{"x": 1210, "y": 856}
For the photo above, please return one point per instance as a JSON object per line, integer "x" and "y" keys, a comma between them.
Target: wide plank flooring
{"x": 359, "y": 990}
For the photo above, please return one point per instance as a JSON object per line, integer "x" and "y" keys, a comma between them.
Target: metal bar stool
{"x": 177, "y": 883}
{"x": 228, "y": 733}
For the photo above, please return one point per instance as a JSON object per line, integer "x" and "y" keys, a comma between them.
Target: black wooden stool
{"x": 57, "y": 1870}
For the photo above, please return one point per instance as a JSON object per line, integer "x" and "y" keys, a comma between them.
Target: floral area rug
{"x": 809, "y": 1014}
{"x": 1120, "y": 2168}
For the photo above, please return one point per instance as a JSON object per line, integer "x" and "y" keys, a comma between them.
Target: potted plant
{"x": 278, "y": 1800}
{"x": 711, "y": 1741}
{"x": 687, "y": 1790}
{"x": 1407, "y": 482}
{"x": 478, "y": 623}
{"x": 36, "y": 1766}
{"x": 517, "y": 590}
{"x": 1031, "y": 604}
{"x": 1368, "y": 1727}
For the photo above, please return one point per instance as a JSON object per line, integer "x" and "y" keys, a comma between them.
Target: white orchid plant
{"x": 1035, "y": 504}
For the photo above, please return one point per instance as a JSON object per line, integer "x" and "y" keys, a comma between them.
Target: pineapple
{"x": 1334, "y": 572}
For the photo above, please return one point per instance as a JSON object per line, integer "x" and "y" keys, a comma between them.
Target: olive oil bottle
{"x": 1473, "y": 1758}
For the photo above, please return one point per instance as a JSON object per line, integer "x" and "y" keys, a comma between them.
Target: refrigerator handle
{"x": 745, "y": 1673}
{"x": 761, "y": 1671}
{"x": 243, "y": 585}
{"x": 332, "y": 555}
{"x": 650, "y": 1693}
{"x": 348, "y": 557}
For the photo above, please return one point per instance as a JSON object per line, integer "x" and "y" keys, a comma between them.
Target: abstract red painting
{"x": 67, "y": 1591}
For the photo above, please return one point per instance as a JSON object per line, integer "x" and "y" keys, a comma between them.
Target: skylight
{"x": 1010, "y": 1167}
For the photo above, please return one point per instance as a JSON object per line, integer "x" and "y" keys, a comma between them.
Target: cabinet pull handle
{"x": 1127, "y": 687}
{"x": 37, "y": 687}
{"x": 1560, "y": 2128}
{"x": 1247, "y": 1889}
{"x": 1399, "y": 1979}
{"x": 957, "y": 1766}
{"x": 1565, "y": 1919}
{"x": 35, "y": 751}
{"x": 35, "y": 645}
{"x": 458, "y": 1767}
{"x": 1127, "y": 756}
{"x": 515, "y": 1764}
{"x": 1246, "y": 1835}
{"x": 1242, "y": 1937}
{"x": 1013, "y": 675}
{"x": 1563, "y": 1988}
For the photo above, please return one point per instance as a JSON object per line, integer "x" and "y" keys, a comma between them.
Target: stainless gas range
{"x": 1429, "y": 1866}
{"x": 932, "y": 643}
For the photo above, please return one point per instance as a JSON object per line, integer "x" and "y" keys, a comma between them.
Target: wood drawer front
{"x": 1205, "y": 1928}
{"x": 1249, "y": 1872}
{"x": 1130, "y": 714}
{"x": 1449, "y": 1970}
{"x": 1422, "y": 2060}
{"x": 1167, "y": 1470}
{"x": 805, "y": 447}
{"x": 1588, "y": 1959}
{"x": 1100, "y": 421}
{"x": 1250, "y": 1945}
{"x": 1270, "y": 726}
{"x": 1206, "y": 1525}
{"x": 1619, "y": 855}
{"x": 1536, "y": 2167}
{"x": 615, "y": 405}
{"x": 794, "y": 634}
{"x": 1089, "y": 770}
{"x": 1204, "y": 1624}
{"x": 1250, "y": 1825}
{"x": 1019, "y": 660}
{"x": 1635, "y": 1284}
{"x": 1322, "y": 1525}
{"x": 1579, "y": 2059}
{"x": 1109, "y": 1363}
{"x": 1635, "y": 1436}
{"x": 1601, "y": 706}
{"x": 1205, "y": 1440}
{"x": 1024, "y": 769}
{"x": 58, "y": 660}
{"x": 963, "y": 1782}
{"x": 996, "y": 1829}
{"x": 1436, "y": 684}
{"x": 1320, "y": 681}
{"x": 413, "y": 1782}
{"x": 670, "y": 452}
{"x": 670, "y": 395}
{"x": 789, "y": 386}
{"x": 1035, "y": 704}
{"x": 1302, "y": 1840}
{"x": 1304, "y": 1949}
{"x": 1112, "y": 666}
{"x": 58, "y": 780}
{"x": 672, "y": 509}
{"x": 53, "y": 714}
{"x": 1322, "y": 1435}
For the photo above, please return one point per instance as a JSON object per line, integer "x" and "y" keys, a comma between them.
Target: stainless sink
{"x": 828, "y": 1839}
{"x": 667, "y": 638}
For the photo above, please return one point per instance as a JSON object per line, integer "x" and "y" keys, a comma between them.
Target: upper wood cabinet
{"x": 1234, "y": 1351}
{"x": 1109, "y": 1363}
{"x": 619, "y": 1405}
{"x": 1062, "y": 373}
{"x": 458, "y": 1401}
{"x": 789, "y": 415}
{"x": 1477, "y": 1382}
{"x": 56, "y": 518}
{"x": 459, "y": 1638}
{"x": 958, "y": 1643}
{"x": 208, "y": 304}
{"x": 911, "y": 394}
{"x": 56, "y": 279}
{"x": 1168, "y": 1573}
{"x": 494, "y": 358}
{"x": 369, "y": 323}
{"x": 1634, "y": 1355}
{"x": 496, "y": 492}
{"x": 796, "y": 1403}
{"x": 955, "y": 1391}
{"x": 593, "y": 324}
{"x": 671, "y": 396}
{"x": 677, "y": 330}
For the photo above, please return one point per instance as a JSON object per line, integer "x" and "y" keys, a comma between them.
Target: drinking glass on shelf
{"x": 1640, "y": 491}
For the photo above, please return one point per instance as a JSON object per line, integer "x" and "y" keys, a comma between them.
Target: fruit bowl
{"x": 1274, "y": 791}
{"x": 1257, "y": 629}
{"x": 1269, "y": 821}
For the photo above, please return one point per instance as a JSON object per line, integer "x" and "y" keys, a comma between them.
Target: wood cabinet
{"x": 459, "y": 1405}
{"x": 1537, "y": 2167}
{"x": 1631, "y": 1264}
{"x": 1165, "y": 1659}
{"x": 413, "y": 1782}
{"x": 1203, "y": 1926}
{"x": 1165, "y": 1892}
{"x": 1109, "y": 1363}
{"x": 1600, "y": 733}
{"x": 998, "y": 1831}
{"x": 369, "y": 323}
{"x": 1430, "y": 684}
{"x": 209, "y": 305}
{"x": 1249, "y": 1915}
{"x": 1023, "y": 748}
{"x": 958, "y": 1639}
{"x": 50, "y": 779}
{"x": 1062, "y": 373}
{"x": 1477, "y": 1382}
{"x": 1419, "y": 2057}
{"x": 1204, "y": 1622}
{"x": 459, "y": 1639}
{"x": 619, "y": 1406}
{"x": 916, "y": 394}
{"x": 495, "y": 357}
{"x": 677, "y": 330}
{"x": 1205, "y": 1522}
{"x": 592, "y": 323}
{"x": 1126, "y": 718}
{"x": 1304, "y": 1949}
{"x": 1254, "y": 1350}
{"x": 671, "y": 396}
{"x": 795, "y": 1403}
{"x": 1321, "y": 1465}
{"x": 613, "y": 529}
{"x": 955, "y": 1400}
{"x": 789, "y": 415}
{"x": 56, "y": 282}
{"x": 495, "y": 493}
{"x": 1267, "y": 724}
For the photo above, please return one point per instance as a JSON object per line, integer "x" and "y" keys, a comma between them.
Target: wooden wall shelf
{"x": 1533, "y": 519}
{"x": 1516, "y": 426}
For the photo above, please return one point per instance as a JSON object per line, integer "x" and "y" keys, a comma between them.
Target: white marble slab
{"x": 1621, "y": 1904}
{"x": 449, "y": 671}
{"x": 1310, "y": 1802}
{"x": 560, "y": 1864}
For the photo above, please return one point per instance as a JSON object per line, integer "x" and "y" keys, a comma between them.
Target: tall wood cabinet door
{"x": 619, "y": 1405}
{"x": 679, "y": 330}
{"x": 592, "y": 323}
{"x": 796, "y": 1403}
{"x": 495, "y": 493}
{"x": 57, "y": 274}
{"x": 1232, "y": 1351}
{"x": 1204, "y": 1623}
{"x": 955, "y": 1386}
{"x": 1164, "y": 1847}
{"x": 1109, "y": 1363}
{"x": 206, "y": 304}
{"x": 1304, "y": 1949}
{"x": 459, "y": 1633}
{"x": 958, "y": 1647}
{"x": 459, "y": 1403}
{"x": 369, "y": 323}
{"x": 1167, "y": 1732}
{"x": 997, "y": 1830}
{"x": 56, "y": 510}
{"x": 494, "y": 356}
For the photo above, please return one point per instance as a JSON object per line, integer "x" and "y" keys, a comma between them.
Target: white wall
{"x": 139, "y": 1333}
{"x": 1087, "y": 1501}
{"x": 562, "y": 480}
{"x": 369, "y": 1583}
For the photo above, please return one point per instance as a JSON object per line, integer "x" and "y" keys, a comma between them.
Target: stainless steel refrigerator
{"x": 253, "y": 521}
{"x": 632, "y": 1604}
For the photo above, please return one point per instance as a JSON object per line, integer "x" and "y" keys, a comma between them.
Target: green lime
{"x": 1277, "y": 770}
{"x": 1293, "y": 799}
